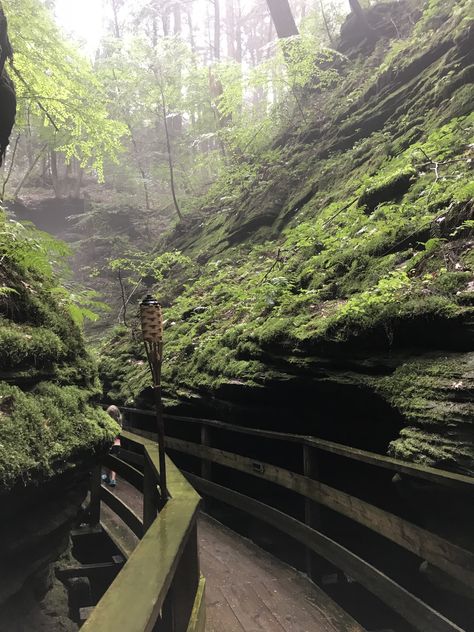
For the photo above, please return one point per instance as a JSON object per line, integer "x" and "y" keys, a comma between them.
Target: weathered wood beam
{"x": 454, "y": 560}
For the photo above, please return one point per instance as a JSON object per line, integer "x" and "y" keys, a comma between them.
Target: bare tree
{"x": 159, "y": 79}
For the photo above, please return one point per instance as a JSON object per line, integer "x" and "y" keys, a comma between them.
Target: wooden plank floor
{"x": 248, "y": 590}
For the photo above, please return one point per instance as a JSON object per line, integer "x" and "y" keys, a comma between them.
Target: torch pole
{"x": 161, "y": 440}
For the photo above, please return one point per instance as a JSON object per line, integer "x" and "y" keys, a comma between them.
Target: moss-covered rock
{"x": 46, "y": 430}
{"x": 434, "y": 394}
{"x": 48, "y": 380}
{"x": 351, "y": 244}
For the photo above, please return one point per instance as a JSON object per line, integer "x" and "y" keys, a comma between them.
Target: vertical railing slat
{"x": 206, "y": 465}
{"x": 185, "y": 583}
{"x": 94, "y": 506}
{"x": 312, "y": 511}
{"x": 150, "y": 495}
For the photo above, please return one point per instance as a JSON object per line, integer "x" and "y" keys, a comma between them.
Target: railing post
{"x": 312, "y": 511}
{"x": 150, "y": 495}
{"x": 181, "y": 596}
{"x": 206, "y": 465}
{"x": 94, "y": 505}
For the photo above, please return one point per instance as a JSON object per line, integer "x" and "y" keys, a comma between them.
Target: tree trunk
{"x": 78, "y": 181}
{"x": 53, "y": 164}
{"x": 282, "y": 17}
{"x": 217, "y": 30}
{"x": 154, "y": 32}
{"x": 5, "y": 46}
{"x": 29, "y": 170}
{"x": 165, "y": 18}
{"x": 177, "y": 19}
{"x": 358, "y": 11}
{"x": 238, "y": 34}
{"x": 10, "y": 168}
{"x": 116, "y": 22}
{"x": 140, "y": 168}
{"x": 192, "y": 41}
{"x": 230, "y": 28}
{"x": 168, "y": 146}
{"x": 323, "y": 13}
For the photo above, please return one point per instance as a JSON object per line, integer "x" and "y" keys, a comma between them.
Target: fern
{"x": 39, "y": 258}
{"x": 7, "y": 291}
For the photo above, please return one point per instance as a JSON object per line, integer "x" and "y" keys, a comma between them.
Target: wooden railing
{"x": 452, "y": 561}
{"x": 160, "y": 587}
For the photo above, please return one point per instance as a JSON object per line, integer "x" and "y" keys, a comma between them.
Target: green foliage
{"x": 276, "y": 82}
{"x": 50, "y": 426}
{"x": 465, "y": 227}
{"x": 38, "y": 258}
{"x": 81, "y": 304}
{"x": 57, "y": 87}
{"x": 34, "y": 251}
{"x": 430, "y": 248}
{"x": 23, "y": 346}
{"x": 142, "y": 264}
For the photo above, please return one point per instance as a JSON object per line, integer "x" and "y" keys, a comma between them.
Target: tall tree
{"x": 59, "y": 94}
{"x": 159, "y": 79}
{"x": 115, "y": 11}
{"x": 358, "y": 11}
{"x": 282, "y": 17}
{"x": 217, "y": 30}
{"x": 7, "y": 90}
{"x": 230, "y": 28}
{"x": 326, "y": 23}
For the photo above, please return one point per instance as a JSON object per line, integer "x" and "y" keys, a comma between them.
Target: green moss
{"x": 49, "y": 426}
{"x": 450, "y": 283}
{"x": 22, "y": 346}
{"x": 391, "y": 187}
{"x": 433, "y": 395}
{"x": 44, "y": 431}
{"x": 363, "y": 236}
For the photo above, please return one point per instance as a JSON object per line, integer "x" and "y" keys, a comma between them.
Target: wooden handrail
{"x": 452, "y": 559}
{"x": 441, "y": 553}
{"x": 418, "y": 613}
{"x": 133, "y": 522}
{"x": 431, "y": 474}
{"x": 140, "y": 597}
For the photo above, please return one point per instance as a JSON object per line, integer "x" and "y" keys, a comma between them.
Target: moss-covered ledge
{"x": 45, "y": 431}
{"x": 49, "y": 419}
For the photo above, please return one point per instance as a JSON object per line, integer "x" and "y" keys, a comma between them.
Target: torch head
{"x": 151, "y": 320}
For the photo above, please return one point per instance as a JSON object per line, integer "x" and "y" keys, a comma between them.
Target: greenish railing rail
{"x": 159, "y": 588}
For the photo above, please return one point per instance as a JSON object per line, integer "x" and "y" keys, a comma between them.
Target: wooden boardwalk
{"x": 247, "y": 589}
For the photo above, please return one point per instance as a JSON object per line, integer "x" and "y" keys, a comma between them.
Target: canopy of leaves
{"x": 58, "y": 90}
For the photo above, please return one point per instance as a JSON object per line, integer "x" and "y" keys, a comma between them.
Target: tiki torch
{"x": 152, "y": 330}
